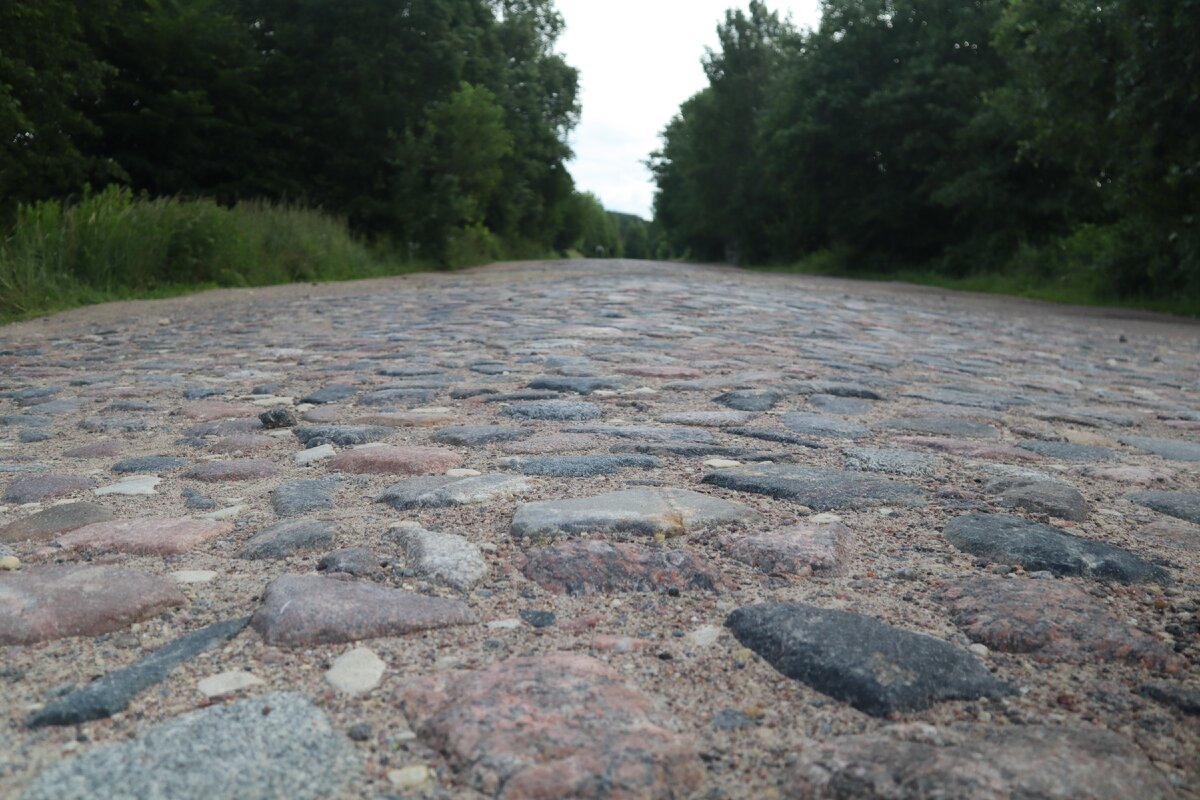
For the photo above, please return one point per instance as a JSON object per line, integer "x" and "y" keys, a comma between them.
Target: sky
{"x": 638, "y": 61}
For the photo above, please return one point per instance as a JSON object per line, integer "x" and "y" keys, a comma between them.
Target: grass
{"x": 1016, "y": 282}
{"x": 113, "y": 245}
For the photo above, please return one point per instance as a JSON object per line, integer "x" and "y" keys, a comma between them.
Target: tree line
{"x": 1050, "y": 138}
{"x": 420, "y": 122}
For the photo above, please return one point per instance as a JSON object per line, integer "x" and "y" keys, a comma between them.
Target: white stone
{"x": 356, "y": 672}
{"x": 410, "y": 777}
{"x": 821, "y": 519}
{"x": 314, "y": 454}
{"x": 979, "y": 649}
{"x": 225, "y": 513}
{"x": 722, "y": 463}
{"x": 432, "y": 410}
{"x": 227, "y": 683}
{"x": 137, "y": 485}
{"x": 504, "y": 624}
{"x": 193, "y": 576}
{"x": 705, "y": 635}
{"x": 463, "y": 473}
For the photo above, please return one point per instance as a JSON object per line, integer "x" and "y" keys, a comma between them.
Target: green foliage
{"x": 1051, "y": 142}
{"x": 112, "y": 244}
{"x": 416, "y": 122}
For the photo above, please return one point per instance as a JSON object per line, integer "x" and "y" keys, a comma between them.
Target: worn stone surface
{"x": 148, "y": 464}
{"x": 45, "y": 525}
{"x": 913, "y": 762}
{"x": 638, "y": 511}
{"x": 818, "y": 488}
{"x": 1051, "y": 621}
{"x": 112, "y": 693}
{"x": 341, "y": 435}
{"x": 800, "y": 550}
{"x": 875, "y": 667}
{"x": 242, "y": 469}
{"x": 552, "y": 727}
{"x": 1182, "y": 505}
{"x": 441, "y": 491}
{"x": 579, "y": 466}
{"x": 41, "y": 603}
{"x": 147, "y": 536}
{"x": 1011, "y": 540}
{"x": 942, "y": 386}
{"x": 1052, "y": 498}
{"x": 894, "y": 462}
{"x": 1170, "y": 449}
{"x": 32, "y": 488}
{"x": 479, "y": 435}
{"x": 357, "y": 561}
{"x": 271, "y": 746}
{"x": 443, "y": 557}
{"x": 307, "y": 610}
{"x": 388, "y": 460}
{"x": 943, "y": 426}
{"x": 820, "y": 425}
{"x": 590, "y": 566}
{"x": 289, "y": 537}
{"x": 304, "y": 497}
{"x": 553, "y": 410}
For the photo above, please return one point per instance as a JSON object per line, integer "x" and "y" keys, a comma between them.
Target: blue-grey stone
{"x": 285, "y": 538}
{"x": 553, "y": 410}
{"x": 808, "y": 424}
{"x": 1003, "y": 539}
{"x": 330, "y": 394}
{"x": 816, "y": 487}
{"x": 110, "y": 694}
{"x": 148, "y": 464}
{"x": 261, "y": 748}
{"x": 1175, "y": 504}
{"x": 579, "y": 466}
{"x": 478, "y": 435}
{"x": 294, "y": 498}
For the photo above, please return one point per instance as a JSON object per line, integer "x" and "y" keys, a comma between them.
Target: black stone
{"x": 277, "y": 418}
{"x": 1172, "y": 694}
{"x": 577, "y": 385}
{"x": 873, "y": 666}
{"x": 342, "y": 435}
{"x": 1003, "y": 539}
{"x": 110, "y": 694}
{"x": 538, "y": 619}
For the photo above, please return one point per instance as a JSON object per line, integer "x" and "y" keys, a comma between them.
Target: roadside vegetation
{"x": 1024, "y": 146}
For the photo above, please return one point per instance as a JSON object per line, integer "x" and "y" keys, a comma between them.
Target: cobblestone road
{"x": 599, "y": 530}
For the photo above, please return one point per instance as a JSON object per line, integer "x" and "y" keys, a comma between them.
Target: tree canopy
{"x": 1054, "y": 136}
{"x": 413, "y": 120}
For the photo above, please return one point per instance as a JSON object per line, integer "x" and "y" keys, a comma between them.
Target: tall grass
{"x": 113, "y": 244}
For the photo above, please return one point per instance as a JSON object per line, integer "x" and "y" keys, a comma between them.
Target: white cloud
{"x": 638, "y": 60}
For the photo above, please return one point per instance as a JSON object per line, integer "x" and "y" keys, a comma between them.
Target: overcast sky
{"x": 638, "y": 60}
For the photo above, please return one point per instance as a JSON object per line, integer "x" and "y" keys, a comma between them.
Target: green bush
{"x": 112, "y": 244}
